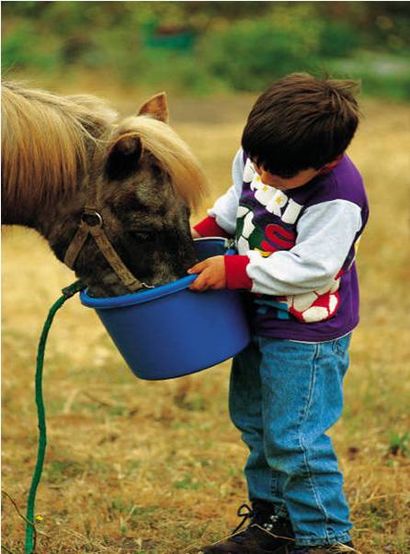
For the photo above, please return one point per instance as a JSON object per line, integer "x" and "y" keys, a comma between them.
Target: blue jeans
{"x": 284, "y": 396}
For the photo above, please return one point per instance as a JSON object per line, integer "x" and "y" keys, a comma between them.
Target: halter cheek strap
{"x": 92, "y": 224}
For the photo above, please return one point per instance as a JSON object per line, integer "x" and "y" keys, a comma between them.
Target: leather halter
{"x": 92, "y": 223}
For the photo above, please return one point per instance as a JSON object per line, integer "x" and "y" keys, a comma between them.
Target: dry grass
{"x": 156, "y": 467}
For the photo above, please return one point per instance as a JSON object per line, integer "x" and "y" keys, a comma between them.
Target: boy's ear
{"x": 123, "y": 157}
{"x": 156, "y": 107}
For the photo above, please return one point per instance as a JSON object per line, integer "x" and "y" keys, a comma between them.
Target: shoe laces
{"x": 245, "y": 512}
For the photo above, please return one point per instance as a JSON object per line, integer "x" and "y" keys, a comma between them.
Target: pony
{"x": 112, "y": 197}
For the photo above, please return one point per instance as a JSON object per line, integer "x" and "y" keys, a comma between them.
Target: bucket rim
{"x": 135, "y": 298}
{"x": 142, "y": 296}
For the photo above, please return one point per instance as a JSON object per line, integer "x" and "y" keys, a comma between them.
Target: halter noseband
{"x": 92, "y": 223}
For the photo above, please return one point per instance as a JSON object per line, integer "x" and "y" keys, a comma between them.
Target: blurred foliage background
{"x": 207, "y": 47}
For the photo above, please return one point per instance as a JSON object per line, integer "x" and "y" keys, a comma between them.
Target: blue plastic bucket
{"x": 170, "y": 331}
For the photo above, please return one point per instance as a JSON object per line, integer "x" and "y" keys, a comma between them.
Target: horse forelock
{"x": 173, "y": 155}
{"x": 47, "y": 144}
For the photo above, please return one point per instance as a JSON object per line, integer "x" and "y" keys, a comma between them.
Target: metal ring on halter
{"x": 92, "y": 218}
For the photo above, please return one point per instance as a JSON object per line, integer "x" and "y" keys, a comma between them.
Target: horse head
{"x": 141, "y": 187}
{"x": 67, "y": 164}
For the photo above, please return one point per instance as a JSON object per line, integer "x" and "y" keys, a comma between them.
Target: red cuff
{"x": 208, "y": 227}
{"x": 235, "y": 270}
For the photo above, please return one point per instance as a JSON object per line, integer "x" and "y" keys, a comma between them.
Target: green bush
{"x": 24, "y": 48}
{"x": 177, "y": 72}
{"x": 248, "y": 55}
{"x": 241, "y": 48}
{"x": 338, "y": 39}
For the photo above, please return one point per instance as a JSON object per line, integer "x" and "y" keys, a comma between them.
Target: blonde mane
{"x": 47, "y": 143}
{"x": 173, "y": 155}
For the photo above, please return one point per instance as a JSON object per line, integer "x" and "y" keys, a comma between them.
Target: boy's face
{"x": 280, "y": 183}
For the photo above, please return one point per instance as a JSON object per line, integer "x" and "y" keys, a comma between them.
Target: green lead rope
{"x": 68, "y": 292}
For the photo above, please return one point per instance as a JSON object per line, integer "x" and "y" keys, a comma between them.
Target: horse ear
{"x": 123, "y": 157}
{"x": 156, "y": 107}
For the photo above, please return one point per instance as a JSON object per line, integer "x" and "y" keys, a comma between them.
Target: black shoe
{"x": 266, "y": 534}
{"x": 338, "y": 548}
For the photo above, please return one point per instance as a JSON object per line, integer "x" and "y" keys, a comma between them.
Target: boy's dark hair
{"x": 301, "y": 122}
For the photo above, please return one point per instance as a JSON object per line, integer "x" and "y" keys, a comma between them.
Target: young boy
{"x": 296, "y": 209}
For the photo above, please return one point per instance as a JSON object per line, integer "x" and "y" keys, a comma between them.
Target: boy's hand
{"x": 195, "y": 234}
{"x": 211, "y": 274}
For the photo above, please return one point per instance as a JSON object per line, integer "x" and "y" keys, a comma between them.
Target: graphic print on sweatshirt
{"x": 266, "y": 222}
